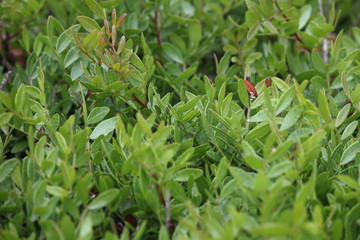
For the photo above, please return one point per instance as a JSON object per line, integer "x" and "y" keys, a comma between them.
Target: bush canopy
{"x": 174, "y": 119}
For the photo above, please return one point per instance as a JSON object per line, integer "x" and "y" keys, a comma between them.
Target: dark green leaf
{"x": 5, "y": 118}
{"x": 104, "y": 199}
{"x": 7, "y": 168}
{"x": 172, "y": 52}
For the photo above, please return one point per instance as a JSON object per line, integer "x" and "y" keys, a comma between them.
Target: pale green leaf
{"x": 103, "y": 128}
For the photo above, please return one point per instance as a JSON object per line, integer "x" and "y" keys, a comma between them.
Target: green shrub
{"x": 179, "y": 119}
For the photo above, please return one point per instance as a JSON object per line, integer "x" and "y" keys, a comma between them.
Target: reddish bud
{"x": 120, "y": 20}
{"x": 102, "y": 41}
{"x": 17, "y": 56}
{"x": 113, "y": 16}
{"x": 267, "y": 82}
{"x": 131, "y": 219}
{"x": 107, "y": 27}
{"x": 113, "y": 35}
{"x": 250, "y": 88}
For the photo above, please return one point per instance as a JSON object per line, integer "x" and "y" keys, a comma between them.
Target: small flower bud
{"x": 107, "y": 27}
{"x": 113, "y": 17}
{"x": 120, "y": 20}
{"x": 113, "y": 35}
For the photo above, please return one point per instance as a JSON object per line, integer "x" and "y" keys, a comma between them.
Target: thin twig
{"x": 5, "y": 80}
{"x": 157, "y": 26}
{"x": 167, "y": 209}
{"x": 296, "y": 35}
{"x": 136, "y": 99}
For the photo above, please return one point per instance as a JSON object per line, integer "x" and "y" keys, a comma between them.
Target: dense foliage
{"x": 173, "y": 119}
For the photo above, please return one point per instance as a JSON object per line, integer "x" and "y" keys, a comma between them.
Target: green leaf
{"x": 318, "y": 62}
{"x": 50, "y": 26}
{"x": 285, "y": 100}
{"x": 20, "y": 98}
{"x": 220, "y": 173}
{"x": 172, "y": 52}
{"x": 67, "y": 227}
{"x": 57, "y": 191}
{"x": 342, "y": 115}
{"x": 252, "y": 57}
{"x": 273, "y": 229}
{"x": 280, "y": 84}
{"x": 249, "y": 45}
{"x": 88, "y": 24}
{"x": 291, "y": 118}
{"x": 305, "y": 16}
{"x": 103, "y": 128}
{"x": 86, "y": 231}
{"x": 76, "y": 71}
{"x": 6, "y": 100}
{"x": 195, "y": 33}
{"x": 92, "y": 40}
{"x": 144, "y": 125}
{"x": 25, "y": 39}
{"x": 61, "y": 142}
{"x": 97, "y": 114}
{"x": 280, "y": 168}
{"x": 7, "y": 168}
{"x": 267, "y": 7}
{"x": 104, "y": 199}
{"x": 261, "y": 183}
{"x": 40, "y": 150}
{"x": 5, "y": 118}
{"x": 254, "y": 162}
{"x": 95, "y": 8}
{"x": 351, "y": 223}
{"x": 349, "y": 130}
{"x": 136, "y": 62}
{"x": 177, "y": 191}
{"x": 345, "y": 83}
{"x": 223, "y": 65}
{"x": 324, "y": 106}
{"x": 140, "y": 231}
{"x": 71, "y": 56}
{"x": 349, "y": 181}
{"x": 242, "y": 92}
{"x": 63, "y": 41}
{"x": 185, "y": 156}
{"x": 280, "y": 151}
{"x": 185, "y": 75}
{"x": 163, "y": 233}
{"x": 253, "y": 31}
{"x": 355, "y": 95}
{"x": 185, "y": 174}
{"x": 259, "y": 131}
{"x": 38, "y": 44}
{"x": 272, "y": 29}
{"x": 354, "y": 55}
{"x": 189, "y": 105}
{"x": 350, "y": 153}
